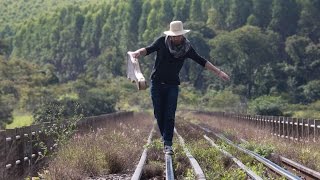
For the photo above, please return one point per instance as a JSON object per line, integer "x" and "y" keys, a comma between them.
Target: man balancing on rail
{"x": 172, "y": 49}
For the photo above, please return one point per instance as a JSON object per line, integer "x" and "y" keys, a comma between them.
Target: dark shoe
{"x": 168, "y": 150}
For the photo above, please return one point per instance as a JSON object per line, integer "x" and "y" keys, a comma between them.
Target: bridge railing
{"x": 21, "y": 151}
{"x": 297, "y": 129}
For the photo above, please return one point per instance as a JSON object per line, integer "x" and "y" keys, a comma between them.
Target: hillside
{"x": 77, "y": 39}
{"x": 270, "y": 50}
{"x": 14, "y": 13}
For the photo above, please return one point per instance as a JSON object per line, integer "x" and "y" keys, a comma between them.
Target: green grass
{"x": 20, "y": 120}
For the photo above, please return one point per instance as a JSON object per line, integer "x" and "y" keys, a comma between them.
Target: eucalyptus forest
{"x": 60, "y": 59}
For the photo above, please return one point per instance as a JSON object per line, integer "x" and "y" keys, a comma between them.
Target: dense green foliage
{"x": 12, "y": 14}
{"x": 268, "y": 47}
{"x": 94, "y": 102}
{"x": 267, "y": 105}
{"x": 21, "y": 85}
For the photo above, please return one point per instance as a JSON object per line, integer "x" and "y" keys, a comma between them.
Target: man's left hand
{"x": 224, "y": 76}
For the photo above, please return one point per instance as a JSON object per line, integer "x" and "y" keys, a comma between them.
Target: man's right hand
{"x": 136, "y": 54}
{"x": 140, "y": 52}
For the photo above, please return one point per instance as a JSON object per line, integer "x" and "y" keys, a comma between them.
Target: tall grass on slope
{"x": 113, "y": 149}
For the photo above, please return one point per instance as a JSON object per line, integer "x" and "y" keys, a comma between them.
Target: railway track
{"x": 300, "y": 170}
{"x": 276, "y": 168}
{"x": 169, "y": 171}
{"x": 288, "y": 169}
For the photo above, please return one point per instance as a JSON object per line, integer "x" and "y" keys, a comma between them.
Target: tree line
{"x": 269, "y": 47}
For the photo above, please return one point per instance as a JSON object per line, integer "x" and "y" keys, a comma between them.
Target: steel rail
{"x": 169, "y": 169}
{"x": 302, "y": 168}
{"x": 196, "y": 167}
{"x": 239, "y": 163}
{"x": 138, "y": 172}
{"x": 261, "y": 159}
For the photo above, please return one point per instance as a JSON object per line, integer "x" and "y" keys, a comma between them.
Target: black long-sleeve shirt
{"x": 167, "y": 68}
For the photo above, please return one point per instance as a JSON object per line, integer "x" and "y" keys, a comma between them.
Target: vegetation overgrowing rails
{"x": 264, "y": 143}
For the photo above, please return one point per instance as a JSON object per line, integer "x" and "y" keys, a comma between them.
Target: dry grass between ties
{"x": 113, "y": 149}
{"x": 189, "y": 131}
{"x": 306, "y": 153}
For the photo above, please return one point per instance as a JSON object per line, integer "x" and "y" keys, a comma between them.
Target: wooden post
{"x": 308, "y": 129}
{"x": 283, "y": 122}
{"x": 275, "y": 121}
{"x": 287, "y": 128}
{"x": 11, "y": 153}
{"x": 291, "y": 128}
{"x": 268, "y": 124}
{"x": 291, "y": 124}
{"x": 34, "y": 150}
{"x": 2, "y": 153}
{"x": 314, "y": 130}
{"x": 303, "y": 131}
{"x": 283, "y": 126}
{"x": 271, "y": 124}
{"x": 254, "y": 120}
{"x": 297, "y": 128}
{"x": 300, "y": 129}
{"x": 19, "y": 156}
{"x": 27, "y": 148}
{"x": 260, "y": 121}
{"x": 279, "y": 126}
{"x": 317, "y": 126}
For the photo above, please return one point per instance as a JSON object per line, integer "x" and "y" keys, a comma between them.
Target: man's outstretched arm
{"x": 217, "y": 71}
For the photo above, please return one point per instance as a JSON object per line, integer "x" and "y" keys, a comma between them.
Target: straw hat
{"x": 176, "y": 29}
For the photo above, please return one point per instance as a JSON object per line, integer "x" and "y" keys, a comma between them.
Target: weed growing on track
{"x": 264, "y": 150}
{"x": 214, "y": 164}
{"x": 250, "y": 162}
{"x": 152, "y": 170}
{"x": 155, "y": 165}
{"x": 181, "y": 164}
{"x": 103, "y": 151}
{"x": 155, "y": 150}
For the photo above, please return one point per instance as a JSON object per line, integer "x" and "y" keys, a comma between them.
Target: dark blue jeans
{"x": 164, "y": 99}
